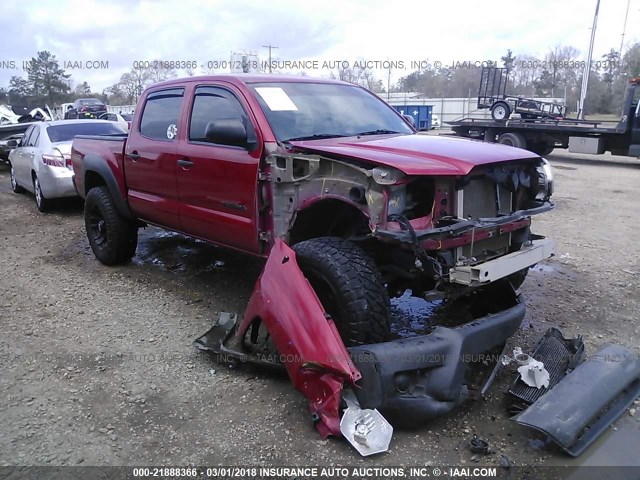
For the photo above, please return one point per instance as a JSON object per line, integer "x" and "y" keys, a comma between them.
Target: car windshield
{"x": 90, "y": 101}
{"x": 65, "y": 133}
{"x": 307, "y": 111}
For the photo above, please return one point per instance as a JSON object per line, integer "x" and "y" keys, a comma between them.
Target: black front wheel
{"x": 349, "y": 287}
{"x": 112, "y": 239}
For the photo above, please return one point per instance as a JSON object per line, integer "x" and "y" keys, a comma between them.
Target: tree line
{"x": 558, "y": 74}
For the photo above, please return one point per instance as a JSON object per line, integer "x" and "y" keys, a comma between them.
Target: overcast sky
{"x": 122, "y": 31}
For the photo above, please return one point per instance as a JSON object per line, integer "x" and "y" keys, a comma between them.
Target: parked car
{"x": 5, "y": 149}
{"x": 41, "y": 162}
{"x": 122, "y": 119}
{"x": 86, "y": 108}
{"x": 333, "y": 185}
{"x": 435, "y": 122}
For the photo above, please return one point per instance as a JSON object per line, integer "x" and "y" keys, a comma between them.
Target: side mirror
{"x": 227, "y": 132}
{"x": 13, "y": 143}
{"x": 410, "y": 120}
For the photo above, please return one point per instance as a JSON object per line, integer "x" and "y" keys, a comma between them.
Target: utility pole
{"x": 624, "y": 29}
{"x": 587, "y": 67}
{"x": 270, "y": 47}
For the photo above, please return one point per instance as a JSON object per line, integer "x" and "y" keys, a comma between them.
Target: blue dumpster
{"x": 420, "y": 113}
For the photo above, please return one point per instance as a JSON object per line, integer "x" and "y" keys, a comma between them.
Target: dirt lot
{"x": 98, "y": 366}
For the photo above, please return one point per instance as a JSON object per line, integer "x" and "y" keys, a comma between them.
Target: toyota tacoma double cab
{"x": 350, "y": 207}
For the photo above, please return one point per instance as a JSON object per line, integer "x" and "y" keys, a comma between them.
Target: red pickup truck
{"x": 335, "y": 187}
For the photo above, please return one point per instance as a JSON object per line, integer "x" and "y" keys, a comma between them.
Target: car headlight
{"x": 545, "y": 180}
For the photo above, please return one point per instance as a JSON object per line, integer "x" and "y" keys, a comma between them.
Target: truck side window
{"x": 212, "y": 103}
{"x": 161, "y": 113}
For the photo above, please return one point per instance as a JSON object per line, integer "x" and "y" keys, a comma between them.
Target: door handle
{"x": 133, "y": 155}
{"x": 185, "y": 163}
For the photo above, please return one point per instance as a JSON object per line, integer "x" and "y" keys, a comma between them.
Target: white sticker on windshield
{"x": 276, "y": 99}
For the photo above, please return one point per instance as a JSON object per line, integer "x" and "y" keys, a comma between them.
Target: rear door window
{"x": 161, "y": 113}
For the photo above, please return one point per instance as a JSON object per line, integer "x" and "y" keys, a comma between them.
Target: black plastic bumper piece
{"x": 589, "y": 399}
{"x": 417, "y": 379}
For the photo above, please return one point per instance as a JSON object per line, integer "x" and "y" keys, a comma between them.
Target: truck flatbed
{"x": 565, "y": 125}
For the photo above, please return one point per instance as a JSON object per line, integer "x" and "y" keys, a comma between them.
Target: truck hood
{"x": 416, "y": 154}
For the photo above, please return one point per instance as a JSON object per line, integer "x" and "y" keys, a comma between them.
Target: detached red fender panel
{"x": 305, "y": 336}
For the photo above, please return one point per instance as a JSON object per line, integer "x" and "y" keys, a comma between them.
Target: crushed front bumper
{"x": 416, "y": 379}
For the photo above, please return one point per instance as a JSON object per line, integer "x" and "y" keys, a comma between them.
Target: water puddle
{"x": 412, "y": 316}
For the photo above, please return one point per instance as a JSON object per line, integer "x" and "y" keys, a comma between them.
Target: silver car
{"x": 122, "y": 119}
{"x": 41, "y": 162}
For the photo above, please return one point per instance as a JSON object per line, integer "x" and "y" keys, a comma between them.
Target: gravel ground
{"x": 99, "y": 369}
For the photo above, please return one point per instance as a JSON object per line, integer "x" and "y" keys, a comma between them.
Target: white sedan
{"x": 122, "y": 119}
{"x": 41, "y": 162}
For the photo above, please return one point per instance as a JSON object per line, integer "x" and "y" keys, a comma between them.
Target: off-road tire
{"x": 112, "y": 239}
{"x": 349, "y": 287}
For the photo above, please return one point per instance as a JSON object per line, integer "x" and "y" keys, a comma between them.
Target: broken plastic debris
{"x": 518, "y": 356}
{"x": 478, "y": 445}
{"x": 534, "y": 374}
{"x": 366, "y": 430}
{"x": 226, "y": 318}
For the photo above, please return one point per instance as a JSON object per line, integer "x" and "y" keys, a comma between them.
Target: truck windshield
{"x": 307, "y": 111}
{"x": 65, "y": 133}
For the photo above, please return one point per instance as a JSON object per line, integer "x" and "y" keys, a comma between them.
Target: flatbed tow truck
{"x": 542, "y": 135}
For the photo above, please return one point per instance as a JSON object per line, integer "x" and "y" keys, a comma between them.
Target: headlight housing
{"x": 545, "y": 180}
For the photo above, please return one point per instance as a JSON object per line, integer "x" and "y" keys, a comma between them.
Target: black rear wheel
{"x": 112, "y": 239}
{"x": 542, "y": 148}
{"x": 513, "y": 140}
{"x": 349, "y": 287}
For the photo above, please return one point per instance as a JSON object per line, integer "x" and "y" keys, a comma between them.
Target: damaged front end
{"x": 453, "y": 235}
{"x": 425, "y": 232}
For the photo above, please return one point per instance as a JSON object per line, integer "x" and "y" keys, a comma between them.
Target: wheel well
{"x": 93, "y": 179}
{"x": 329, "y": 217}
